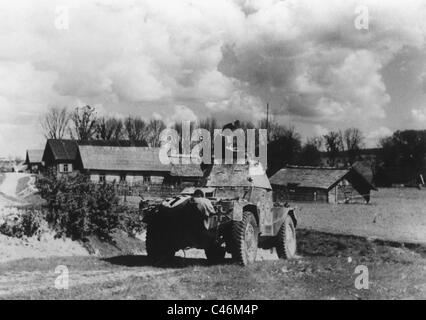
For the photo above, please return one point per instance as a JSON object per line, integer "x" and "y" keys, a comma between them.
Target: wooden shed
{"x": 321, "y": 184}
{"x": 34, "y": 160}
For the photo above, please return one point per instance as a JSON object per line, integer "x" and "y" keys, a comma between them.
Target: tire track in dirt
{"x": 22, "y": 282}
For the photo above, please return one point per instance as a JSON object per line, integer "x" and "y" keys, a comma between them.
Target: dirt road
{"x": 8, "y": 196}
{"x": 10, "y": 182}
{"x": 326, "y": 270}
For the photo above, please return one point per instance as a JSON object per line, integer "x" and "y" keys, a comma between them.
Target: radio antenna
{"x": 267, "y": 122}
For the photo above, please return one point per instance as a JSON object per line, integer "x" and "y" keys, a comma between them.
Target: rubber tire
{"x": 238, "y": 244}
{"x": 286, "y": 248}
{"x": 215, "y": 253}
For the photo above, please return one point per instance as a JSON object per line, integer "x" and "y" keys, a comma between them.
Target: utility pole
{"x": 267, "y": 122}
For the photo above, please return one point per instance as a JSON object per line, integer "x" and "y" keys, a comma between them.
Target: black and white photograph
{"x": 191, "y": 151}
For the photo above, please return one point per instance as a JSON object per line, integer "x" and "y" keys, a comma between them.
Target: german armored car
{"x": 236, "y": 214}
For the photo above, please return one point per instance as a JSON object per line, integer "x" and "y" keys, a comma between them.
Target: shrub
{"x": 131, "y": 221}
{"x": 28, "y": 223}
{"x": 78, "y": 208}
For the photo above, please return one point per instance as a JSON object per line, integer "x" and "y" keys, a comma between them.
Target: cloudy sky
{"x": 311, "y": 60}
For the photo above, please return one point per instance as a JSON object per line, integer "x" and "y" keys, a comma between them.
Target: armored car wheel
{"x": 286, "y": 239}
{"x": 244, "y": 239}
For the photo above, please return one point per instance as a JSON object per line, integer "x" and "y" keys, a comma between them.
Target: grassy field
{"x": 397, "y": 214}
{"x": 325, "y": 271}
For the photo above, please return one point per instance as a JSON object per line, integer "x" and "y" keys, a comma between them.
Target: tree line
{"x": 83, "y": 124}
{"x": 404, "y": 150}
{"x": 284, "y": 143}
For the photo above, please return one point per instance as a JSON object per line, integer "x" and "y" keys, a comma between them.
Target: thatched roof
{"x": 363, "y": 169}
{"x": 237, "y": 175}
{"x": 34, "y": 156}
{"x": 186, "y": 170}
{"x": 67, "y": 150}
{"x": 310, "y": 177}
{"x": 113, "y": 143}
{"x": 106, "y": 158}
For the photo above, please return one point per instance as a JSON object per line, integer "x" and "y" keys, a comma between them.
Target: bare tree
{"x": 154, "y": 129}
{"x": 55, "y": 123}
{"x": 210, "y": 124}
{"x": 353, "y": 140}
{"x": 334, "y": 145}
{"x": 84, "y": 121}
{"x": 317, "y": 142}
{"x": 135, "y": 129}
{"x": 109, "y": 129}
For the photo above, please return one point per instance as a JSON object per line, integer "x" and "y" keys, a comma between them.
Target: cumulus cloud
{"x": 419, "y": 116}
{"x": 225, "y": 58}
{"x": 310, "y": 61}
{"x": 181, "y": 113}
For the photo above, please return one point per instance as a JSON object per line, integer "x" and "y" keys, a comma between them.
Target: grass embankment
{"x": 325, "y": 271}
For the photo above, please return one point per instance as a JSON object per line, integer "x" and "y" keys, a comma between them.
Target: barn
{"x": 322, "y": 184}
{"x": 130, "y": 165}
{"x": 34, "y": 160}
{"x": 62, "y": 155}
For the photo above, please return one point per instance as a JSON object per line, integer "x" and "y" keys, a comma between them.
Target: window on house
{"x": 146, "y": 179}
{"x": 65, "y": 167}
{"x": 102, "y": 178}
{"x": 123, "y": 177}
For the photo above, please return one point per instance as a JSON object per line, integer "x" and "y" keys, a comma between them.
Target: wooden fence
{"x": 144, "y": 190}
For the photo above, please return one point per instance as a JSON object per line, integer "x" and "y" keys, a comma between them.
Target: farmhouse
{"x": 33, "y": 160}
{"x": 132, "y": 165}
{"x": 60, "y": 155}
{"x": 322, "y": 184}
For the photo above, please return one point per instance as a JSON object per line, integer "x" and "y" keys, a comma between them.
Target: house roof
{"x": 34, "y": 156}
{"x": 311, "y": 177}
{"x": 113, "y": 143}
{"x": 186, "y": 170}
{"x": 238, "y": 175}
{"x": 62, "y": 149}
{"x": 107, "y": 158}
{"x": 363, "y": 169}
